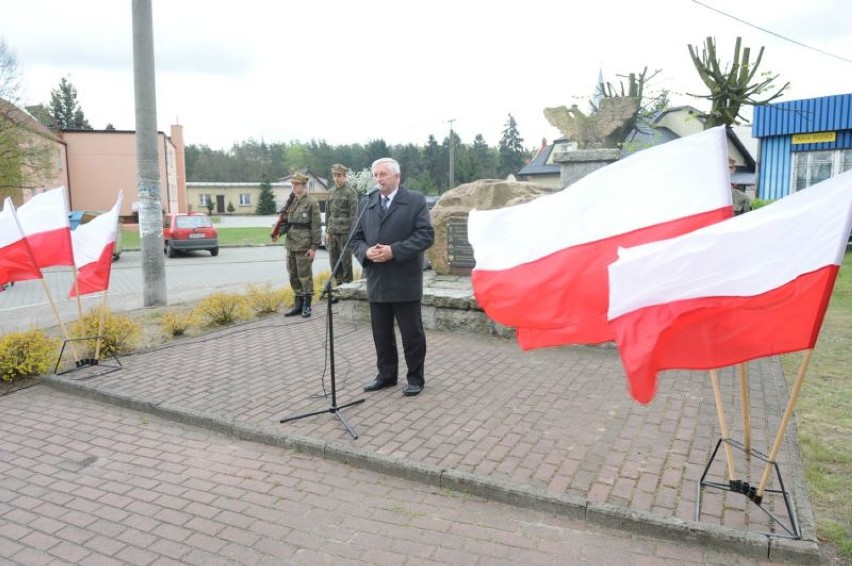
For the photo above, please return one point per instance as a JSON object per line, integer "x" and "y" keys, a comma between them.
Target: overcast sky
{"x": 349, "y": 72}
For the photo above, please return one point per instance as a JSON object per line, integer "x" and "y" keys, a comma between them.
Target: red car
{"x": 184, "y": 231}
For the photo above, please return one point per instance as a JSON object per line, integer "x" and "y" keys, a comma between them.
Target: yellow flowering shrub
{"x": 25, "y": 354}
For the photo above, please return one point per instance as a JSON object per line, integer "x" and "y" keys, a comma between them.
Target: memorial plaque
{"x": 459, "y": 250}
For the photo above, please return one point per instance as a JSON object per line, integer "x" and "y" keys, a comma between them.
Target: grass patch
{"x": 824, "y": 417}
{"x": 251, "y": 236}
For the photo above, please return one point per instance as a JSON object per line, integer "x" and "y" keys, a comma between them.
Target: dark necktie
{"x": 385, "y": 202}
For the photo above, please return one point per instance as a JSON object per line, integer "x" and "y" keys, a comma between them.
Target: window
{"x": 811, "y": 167}
{"x": 245, "y": 199}
{"x": 203, "y": 199}
{"x": 194, "y": 221}
{"x": 845, "y": 160}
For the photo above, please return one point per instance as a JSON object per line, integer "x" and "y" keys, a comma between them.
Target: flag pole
{"x": 794, "y": 396}
{"x": 77, "y": 293}
{"x": 59, "y": 320}
{"x": 723, "y": 425}
{"x": 744, "y": 403}
{"x": 101, "y": 325}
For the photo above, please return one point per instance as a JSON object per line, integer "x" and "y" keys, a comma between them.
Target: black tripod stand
{"x": 334, "y": 409}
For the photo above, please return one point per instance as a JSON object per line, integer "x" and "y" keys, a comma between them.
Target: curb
{"x": 748, "y": 544}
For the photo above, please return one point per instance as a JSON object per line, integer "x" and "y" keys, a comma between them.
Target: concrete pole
{"x": 147, "y": 161}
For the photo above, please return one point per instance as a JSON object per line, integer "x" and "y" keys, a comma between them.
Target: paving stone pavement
{"x": 90, "y": 483}
{"x": 552, "y": 432}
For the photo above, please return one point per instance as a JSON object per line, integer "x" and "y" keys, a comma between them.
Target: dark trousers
{"x": 410, "y": 321}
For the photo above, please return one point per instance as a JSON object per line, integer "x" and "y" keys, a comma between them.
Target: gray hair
{"x": 392, "y": 165}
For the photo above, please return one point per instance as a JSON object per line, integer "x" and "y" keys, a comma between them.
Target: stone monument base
{"x": 448, "y": 304}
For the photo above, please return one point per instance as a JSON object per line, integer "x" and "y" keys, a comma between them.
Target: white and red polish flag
{"x": 93, "y": 245}
{"x": 16, "y": 259}
{"x": 44, "y": 219}
{"x": 542, "y": 266}
{"x": 753, "y": 286}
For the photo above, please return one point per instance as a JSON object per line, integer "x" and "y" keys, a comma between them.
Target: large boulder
{"x": 451, "y": 252}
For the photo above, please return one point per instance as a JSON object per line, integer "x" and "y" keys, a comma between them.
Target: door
{"x": 220, "y": 203}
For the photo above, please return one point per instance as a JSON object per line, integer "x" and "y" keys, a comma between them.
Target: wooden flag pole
{"x": 101, "y": 326}
{"x": 723, "y": 425}
{"x": 744, "y": 404}
{"x": 77, "y": 293}
{"x": 59, "y": 320}
{"x": 779, "y": 437}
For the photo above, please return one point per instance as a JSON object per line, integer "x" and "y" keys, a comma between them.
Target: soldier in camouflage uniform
{"x": 341, "y": 212}
{"x": 303, "y": 227}
{"x": 739, "y": 199}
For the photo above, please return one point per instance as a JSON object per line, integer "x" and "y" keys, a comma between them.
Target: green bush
{"x": 25, "y": 354}
{"x": 264, "y": 299}
{"x": 176, "y": 323}
{"x": 118, "y": 334}
{"x": 759, "y": 202}
{"x": 223, "y": 308}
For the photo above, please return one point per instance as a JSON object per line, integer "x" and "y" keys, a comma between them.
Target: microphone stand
{"x": 334, "y": 409}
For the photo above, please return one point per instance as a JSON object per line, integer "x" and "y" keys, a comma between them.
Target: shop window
{"x": 811, "y": 167}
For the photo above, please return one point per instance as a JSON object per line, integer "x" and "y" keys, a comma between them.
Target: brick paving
{"x": 552, "y": 432}
{"x": 84, "y": 482}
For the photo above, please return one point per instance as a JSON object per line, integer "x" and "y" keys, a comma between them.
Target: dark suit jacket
{"x": 407, "y": 228}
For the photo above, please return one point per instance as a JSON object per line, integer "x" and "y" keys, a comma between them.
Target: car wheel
{"x": 214, "y": 251}
{"x": 170, "y": 251}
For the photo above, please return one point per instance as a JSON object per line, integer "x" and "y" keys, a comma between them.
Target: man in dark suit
{"x": 389, "y": 240}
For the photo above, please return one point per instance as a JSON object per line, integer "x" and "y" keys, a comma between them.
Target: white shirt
{"x": 389, "y": 197}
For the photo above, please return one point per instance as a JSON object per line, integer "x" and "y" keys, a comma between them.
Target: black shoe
{"x": 297, "y": 307}
{"x": 412, "y": 390}
{"x": 377, "y": 384}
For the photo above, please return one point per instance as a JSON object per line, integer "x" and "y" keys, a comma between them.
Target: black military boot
{"x": 306, "y": 307}
{"x": 297, "y": 307}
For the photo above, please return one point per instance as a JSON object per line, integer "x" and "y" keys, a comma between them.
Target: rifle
{"x": 281, "y": 225}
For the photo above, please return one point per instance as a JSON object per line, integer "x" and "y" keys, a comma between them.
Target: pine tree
{"x": 511, "y": 149}
{"x": 65, "y": 108}
{"x": 482, "y": 156}
{"x": 266, "y": 200}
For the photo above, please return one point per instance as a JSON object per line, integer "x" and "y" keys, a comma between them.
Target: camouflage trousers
{"x": 336, "y": 246}
{"x": 301, "y": 273}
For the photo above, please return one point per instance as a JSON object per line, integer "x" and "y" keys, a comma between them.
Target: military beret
{"x": 338, "y": 168}
{"x": 299, "y": 178}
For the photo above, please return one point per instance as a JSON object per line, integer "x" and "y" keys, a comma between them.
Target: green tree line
{"x": 424, "y": 168}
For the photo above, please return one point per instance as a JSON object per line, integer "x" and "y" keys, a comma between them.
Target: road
{"x": 188, "y": 278}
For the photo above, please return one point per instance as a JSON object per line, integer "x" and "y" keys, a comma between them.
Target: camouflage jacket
{"x": 740, "y": 201}
{"x": 341, "y": 210}
{"x": 304, "y": 222}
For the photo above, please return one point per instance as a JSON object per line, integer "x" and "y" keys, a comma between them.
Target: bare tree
{"x": 25, "y": 145}
{"x": 732, "y": 87}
